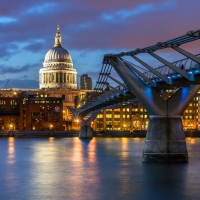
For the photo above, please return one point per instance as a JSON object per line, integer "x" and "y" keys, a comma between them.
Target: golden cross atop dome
{"x": 58, "y": 38}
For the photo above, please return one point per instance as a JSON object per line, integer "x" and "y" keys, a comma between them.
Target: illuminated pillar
{"x": 69, "y": 77}
{"x": 75, "y": 78}
{"x": 42, "y": 77}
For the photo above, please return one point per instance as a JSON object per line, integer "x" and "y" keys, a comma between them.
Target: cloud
{"x": 7, "y": 20}
{"x": 7, "y": 50}
{"x": 13, "y": 83}
{"x": 42, "y": 8}
{"x": 120, "y": 15}
{"x": 15, "y": 70}
{"x": 35, "y": 46}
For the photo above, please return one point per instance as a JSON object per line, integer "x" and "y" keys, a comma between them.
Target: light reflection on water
{"x": 101, "y": 168}
{"x": 191, "y": 140}
{"x": 11, "y": 150}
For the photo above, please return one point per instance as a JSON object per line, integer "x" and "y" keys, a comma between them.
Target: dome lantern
{"x": 58, "y": 38}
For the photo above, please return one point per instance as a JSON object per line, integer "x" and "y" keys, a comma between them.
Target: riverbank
{"x": 39, "y": 134}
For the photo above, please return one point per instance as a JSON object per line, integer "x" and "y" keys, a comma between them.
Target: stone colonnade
{"x": 58, "y": 77}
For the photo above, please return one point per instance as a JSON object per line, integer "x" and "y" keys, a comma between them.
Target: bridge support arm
{"x": 173, "y": 67}
{"x": 118, "y": 82}
{"x": 180, "y": 100}
{"x": 187, "y": 54}
{"x": 148, "y": 97}
{"x": 164, "y": 78}
{"x": 139, "y": 73}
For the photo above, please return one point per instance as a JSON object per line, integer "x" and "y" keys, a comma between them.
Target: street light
{"x": 11, "y": 126}
{"x": 51, "y": 126}
{"x": 124, "y": 126}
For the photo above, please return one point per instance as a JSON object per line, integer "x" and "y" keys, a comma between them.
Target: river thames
{"x": 100, "y": 169}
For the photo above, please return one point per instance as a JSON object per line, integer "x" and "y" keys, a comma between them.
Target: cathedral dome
{"x": 57, "y": 54}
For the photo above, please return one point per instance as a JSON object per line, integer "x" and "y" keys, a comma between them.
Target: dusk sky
{"x": 89, "y": 29}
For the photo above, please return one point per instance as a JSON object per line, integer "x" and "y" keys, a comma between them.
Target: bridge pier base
{"x": 86, "y": 132}
{"x": 165, "y": 140}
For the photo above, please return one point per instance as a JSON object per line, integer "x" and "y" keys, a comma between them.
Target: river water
{"x": 100, "y": 169}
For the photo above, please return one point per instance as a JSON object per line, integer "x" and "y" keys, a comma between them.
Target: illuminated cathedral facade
{"x": 57, "y": 70}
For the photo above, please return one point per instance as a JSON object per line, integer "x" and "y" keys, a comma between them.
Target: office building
{"x": 85, "y": 82}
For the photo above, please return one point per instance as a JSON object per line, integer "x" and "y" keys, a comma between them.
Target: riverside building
{"x": 35, "y": 112}
{"x": 135, "y": 117}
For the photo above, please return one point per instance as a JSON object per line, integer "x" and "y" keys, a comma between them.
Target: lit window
{"x": 99, "y": 116}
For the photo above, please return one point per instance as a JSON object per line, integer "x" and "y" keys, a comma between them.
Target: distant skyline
{"x": 89, "y": 29}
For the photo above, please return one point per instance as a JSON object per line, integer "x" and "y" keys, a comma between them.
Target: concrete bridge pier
{"x": 165, "y": 140}
{"x": 86, "y": 132}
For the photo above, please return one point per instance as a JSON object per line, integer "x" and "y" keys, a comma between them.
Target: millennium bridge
{"x": 165, "y": 139}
